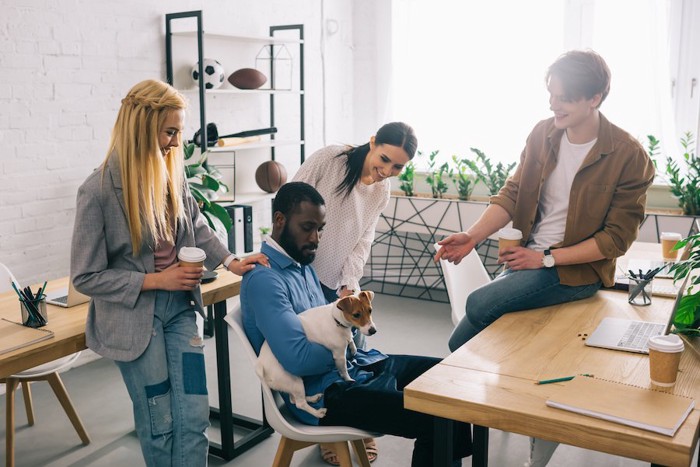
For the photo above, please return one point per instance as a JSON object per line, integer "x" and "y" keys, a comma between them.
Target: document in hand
{"x": 634, "y": 406}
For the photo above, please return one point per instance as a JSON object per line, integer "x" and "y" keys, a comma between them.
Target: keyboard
{"x": 638, "y": 333}
{"x": 63, "y": 299}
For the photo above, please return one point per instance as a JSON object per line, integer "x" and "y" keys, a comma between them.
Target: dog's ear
{"x": 367, "y": 295}
{"x": 345, "y": 303}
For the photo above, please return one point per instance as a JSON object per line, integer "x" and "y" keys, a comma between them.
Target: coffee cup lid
{"x": 510, "y": 234}
{"x": 670, "y": 343}
{"x": 191, "y": 254}
{"x": 671, "y": 236}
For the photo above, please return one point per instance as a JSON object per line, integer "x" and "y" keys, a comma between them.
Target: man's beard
{"x": 297, "y": 254}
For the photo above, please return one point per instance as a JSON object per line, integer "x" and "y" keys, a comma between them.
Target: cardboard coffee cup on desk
{"x": 668, "y": 241}
{"x": 664, "y": 356}
{"x": 508, "y": 237}
{"x": 191, "y": 256}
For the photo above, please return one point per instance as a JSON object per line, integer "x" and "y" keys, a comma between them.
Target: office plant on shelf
{"x": 205, "y": 185}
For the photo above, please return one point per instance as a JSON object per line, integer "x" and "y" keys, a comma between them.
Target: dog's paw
{"x": 315, "y": 398}
{"x": 320, "y": 413}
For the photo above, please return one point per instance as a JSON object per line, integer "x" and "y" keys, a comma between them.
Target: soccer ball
{"x": 213, "y": 74}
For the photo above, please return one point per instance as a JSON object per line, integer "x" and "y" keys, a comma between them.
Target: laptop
{"x": 631, "y": 335}
{"x": 66, "y": 297}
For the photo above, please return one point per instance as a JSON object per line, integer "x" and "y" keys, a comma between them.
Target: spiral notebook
{"x": 634, "y": 406}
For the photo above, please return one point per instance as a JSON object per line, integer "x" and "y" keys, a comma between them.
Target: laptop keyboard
{"x": 63, "y": 299}
{"x": 638, "y": 333}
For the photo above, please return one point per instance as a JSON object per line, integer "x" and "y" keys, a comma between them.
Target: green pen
{"x": 559, "y": 380}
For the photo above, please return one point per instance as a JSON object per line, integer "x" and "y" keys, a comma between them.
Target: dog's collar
{"x": 339, "y": 324}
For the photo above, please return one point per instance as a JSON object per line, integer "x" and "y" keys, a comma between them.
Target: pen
{"x": 559, "y": 380}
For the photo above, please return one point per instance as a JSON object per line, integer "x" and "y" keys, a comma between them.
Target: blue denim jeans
{"x": 168, "y": 389}
{"x": 514, "y": 291}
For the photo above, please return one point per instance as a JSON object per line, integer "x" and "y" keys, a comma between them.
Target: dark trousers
{"x": 377, "y": 405}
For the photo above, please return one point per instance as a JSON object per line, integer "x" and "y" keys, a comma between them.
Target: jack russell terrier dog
{"x": 329, "y": 325}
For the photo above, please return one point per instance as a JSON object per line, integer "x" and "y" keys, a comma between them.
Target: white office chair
{"x": 296, "y": 435}
{"x": 46, "y": 372}
{"x": 461, "y": 280}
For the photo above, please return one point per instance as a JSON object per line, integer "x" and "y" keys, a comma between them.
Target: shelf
{"x": 257, "y": 145}
{"x": 245, "y": 197}
{"x": 255, "y": 39}
{"x": 243, "y": 91}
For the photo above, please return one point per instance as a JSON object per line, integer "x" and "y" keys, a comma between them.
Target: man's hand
{"x": 455, "y": 247}
{"x": 519, "y": 258}
{"x": 240, "y": 267}
{"x": 345, "y": 292}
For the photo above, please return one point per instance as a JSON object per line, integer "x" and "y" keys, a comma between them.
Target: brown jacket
{"x": 606, "y": 202}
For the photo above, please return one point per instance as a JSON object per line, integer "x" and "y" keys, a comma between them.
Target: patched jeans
{"x": 514, "y": 291}
{"x": 167, "y": 385}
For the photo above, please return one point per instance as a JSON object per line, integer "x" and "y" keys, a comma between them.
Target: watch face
{"x": 548, "y": 261}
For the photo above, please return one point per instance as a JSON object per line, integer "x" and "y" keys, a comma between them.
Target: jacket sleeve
{"x": 266, "y": 296}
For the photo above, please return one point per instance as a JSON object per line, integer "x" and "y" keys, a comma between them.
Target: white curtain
{"x": 471, "y": 74}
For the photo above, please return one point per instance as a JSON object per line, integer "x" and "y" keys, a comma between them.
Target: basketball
{"x": 270, "y": 176}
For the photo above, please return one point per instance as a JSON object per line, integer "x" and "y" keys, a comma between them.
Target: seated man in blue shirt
{"x": 272, "y": 297}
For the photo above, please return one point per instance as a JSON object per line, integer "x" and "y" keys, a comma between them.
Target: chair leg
{"x": 10, "y": 388}
{"x": 60, "y": 390}
{"x": 286, "y": 449}
{"x": 343, "y": 452}
{"x": 28, "y": 406}
{"x": 361, "y": 452}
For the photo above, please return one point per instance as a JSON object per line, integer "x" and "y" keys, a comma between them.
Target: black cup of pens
{"x": 34, "y": 312}
{"x": 639, "y": 291}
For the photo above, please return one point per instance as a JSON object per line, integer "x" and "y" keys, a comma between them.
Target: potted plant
{"x": 463, "y": 180}
{"x": 493, "y": 177}
{"x": 684, "y": 184}
{"x": 687, "y": 318}
{"x": 407, "y": 178}
{"x": 205, "y": 185}
{"x": 438, "y": 186}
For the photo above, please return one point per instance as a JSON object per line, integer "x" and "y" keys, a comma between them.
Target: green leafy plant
{"x": 464, "y": 181}
{"x": 205, "y": 185}
{"x": 406, "y": 178}
{"x": 493, "y": 177}
{"x": 435, "y": 175}
{"x": 684, "y": 184}
{"x": 687, "y": 318}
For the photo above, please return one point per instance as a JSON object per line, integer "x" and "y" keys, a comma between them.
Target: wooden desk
{"x": 68, "y": 325}
{"x": 490, "y": 382}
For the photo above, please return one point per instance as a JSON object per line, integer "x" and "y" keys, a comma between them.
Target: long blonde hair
{"x": 153, "y": 184}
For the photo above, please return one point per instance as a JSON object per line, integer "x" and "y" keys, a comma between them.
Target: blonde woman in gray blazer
{"x": 133, "y": 216}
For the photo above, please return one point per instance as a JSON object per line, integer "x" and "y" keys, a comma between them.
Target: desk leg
{"x": 258, "y": 430}
{"x": 480, "y": 457}
{"x": 442, "y": 442}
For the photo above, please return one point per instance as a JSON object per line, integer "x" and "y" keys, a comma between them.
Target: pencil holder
{"x": 640, "y": 291}
{"x": 34, "y": 312}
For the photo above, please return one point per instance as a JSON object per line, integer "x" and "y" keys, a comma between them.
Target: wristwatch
{"x": 548, "y": 259}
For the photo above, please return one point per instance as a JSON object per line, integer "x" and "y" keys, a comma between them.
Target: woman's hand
{"x": 518, "y": 258}
{"x": 240, "y": 267}
{"x": 174, "y": 278}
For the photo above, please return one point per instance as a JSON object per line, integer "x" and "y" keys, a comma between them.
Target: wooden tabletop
{"x": 68, "y": 324}
{"x": 490, "y": 381}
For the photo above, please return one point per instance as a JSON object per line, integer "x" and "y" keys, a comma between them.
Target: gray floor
{"x": 405, "y": 326}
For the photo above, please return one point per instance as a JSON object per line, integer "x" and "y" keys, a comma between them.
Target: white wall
{"x": 64, "y": 66}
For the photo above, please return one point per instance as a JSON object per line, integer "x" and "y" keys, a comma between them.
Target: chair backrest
{"x": 461, "y": 280}
{"x": 6, "y": 279}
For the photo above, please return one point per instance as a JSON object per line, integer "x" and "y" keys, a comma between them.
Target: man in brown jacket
{"x": 578, "y": 196}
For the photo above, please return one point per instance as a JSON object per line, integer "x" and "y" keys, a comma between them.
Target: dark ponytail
{"x": 396, "y": 134}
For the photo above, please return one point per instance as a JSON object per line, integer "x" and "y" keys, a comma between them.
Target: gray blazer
{"x": 103, "y": 266}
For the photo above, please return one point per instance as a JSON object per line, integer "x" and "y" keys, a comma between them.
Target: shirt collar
{"x": 280, "y": 255}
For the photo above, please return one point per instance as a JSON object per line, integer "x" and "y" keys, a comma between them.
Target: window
{"x": 471, "y": 74}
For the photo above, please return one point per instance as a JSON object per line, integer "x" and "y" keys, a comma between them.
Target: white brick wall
{"x": 65, "y": 65}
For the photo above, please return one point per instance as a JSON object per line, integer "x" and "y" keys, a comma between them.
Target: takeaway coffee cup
{"x": 668, "y": 241}
{"x": 191, "y": 256}
{"x": 664, "y": 356}
{"x": 508, "y": 237}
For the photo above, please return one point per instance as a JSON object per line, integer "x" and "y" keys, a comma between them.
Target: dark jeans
{"x": 377, "y": 405}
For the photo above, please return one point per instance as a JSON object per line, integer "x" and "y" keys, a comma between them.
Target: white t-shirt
{"x": 350, "y": 221}
{"x": 553, "y": 208}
